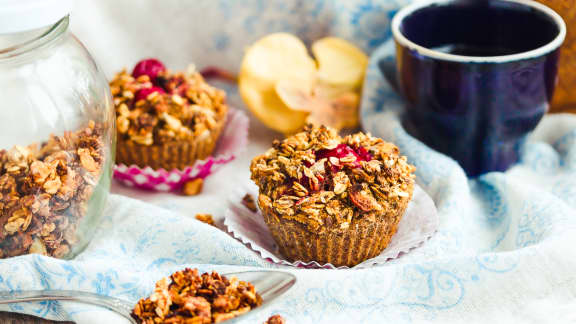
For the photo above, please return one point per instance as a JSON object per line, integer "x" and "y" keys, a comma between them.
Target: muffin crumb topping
{"x": 156, "y": 106}
{"x": 325, "y": 181}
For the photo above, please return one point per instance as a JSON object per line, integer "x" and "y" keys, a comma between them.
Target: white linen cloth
{"x": 505, "y": 248}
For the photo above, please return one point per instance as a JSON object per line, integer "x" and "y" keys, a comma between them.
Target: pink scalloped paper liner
{"x": 232, "y": 142}
{"x": 418, "y": 224}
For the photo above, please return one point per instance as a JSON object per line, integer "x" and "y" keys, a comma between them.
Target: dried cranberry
{"x": 340, "y": 151}
{"x": 343, "y": 150}
{"x": 144, "y": 93}
{"x": 363, "y": 154}
{"x": 149, "y": 67}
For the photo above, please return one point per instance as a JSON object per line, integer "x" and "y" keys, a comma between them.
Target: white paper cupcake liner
{"x": 417, "y": 225}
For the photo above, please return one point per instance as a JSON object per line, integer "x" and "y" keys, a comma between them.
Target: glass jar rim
{"x": 52, "y": 33}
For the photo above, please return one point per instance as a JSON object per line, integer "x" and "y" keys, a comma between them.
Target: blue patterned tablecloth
{"x": 505, "y": 248}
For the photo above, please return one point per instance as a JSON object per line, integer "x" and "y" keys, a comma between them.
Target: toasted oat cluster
{"x": 322, "y": 180}
{"x": 193, "y": 187}
{"x": 191, "y": 298}
{"x": 205, "y": 218}
{"x": 44, "y": 190}
{"x": 275, "y": 319}
{"x": 155, "y": 106}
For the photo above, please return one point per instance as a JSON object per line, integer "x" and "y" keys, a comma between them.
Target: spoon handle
{"x": 117, "y": 305}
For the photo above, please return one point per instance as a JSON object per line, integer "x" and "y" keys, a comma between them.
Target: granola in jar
{"x": 45, "y": 189}
{"x": 332, "y": 199}
{"x": 164, "y": 119}
{"x": 188, "y": 297}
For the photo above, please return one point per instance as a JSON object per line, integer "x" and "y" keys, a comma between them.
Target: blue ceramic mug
{"x": 477, "y": 76}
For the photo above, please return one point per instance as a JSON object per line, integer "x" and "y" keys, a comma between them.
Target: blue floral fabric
{"x": 504, "y": 251}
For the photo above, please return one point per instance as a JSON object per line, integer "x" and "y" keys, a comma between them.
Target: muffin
{"x": 166, "y": 120}
{"x": 332, "y": 199}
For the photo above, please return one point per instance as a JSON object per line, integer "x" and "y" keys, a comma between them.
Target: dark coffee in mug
{"x": 477, "y": 76}
{"x": 479, "y": 30}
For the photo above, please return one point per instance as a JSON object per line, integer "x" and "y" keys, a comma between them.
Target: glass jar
{"x": 56, "y": 142}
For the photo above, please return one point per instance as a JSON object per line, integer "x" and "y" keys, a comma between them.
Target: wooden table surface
{"x": 13, "y": 318}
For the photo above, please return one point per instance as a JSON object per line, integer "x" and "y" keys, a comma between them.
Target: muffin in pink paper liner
{"x": 232, "y": 142}
{"x": 418, "y": 224}
{"x": 166, "y": 119}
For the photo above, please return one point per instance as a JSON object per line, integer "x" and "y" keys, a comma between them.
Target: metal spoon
{"x": 269, "y": 284}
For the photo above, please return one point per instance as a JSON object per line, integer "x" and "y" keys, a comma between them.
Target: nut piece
{"x": 276, "y": 319}
{"x": 193, "y": 187}
{"x": 40, "y": 171}
{"x": 363, "y": 199}
{"x": 341, "y": 182}
{"x": 38, "y": 247}
{"x": 205, "y": 218}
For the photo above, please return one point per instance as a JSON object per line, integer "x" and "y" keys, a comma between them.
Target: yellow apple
{"x": 341, "y": 65}
{"x": 285, "y": 87}
{"x": 278, "y": 56}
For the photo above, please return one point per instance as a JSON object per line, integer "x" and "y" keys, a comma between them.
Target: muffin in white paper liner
{"x": 418, "y": 224}
{"x": 231, "y": 143}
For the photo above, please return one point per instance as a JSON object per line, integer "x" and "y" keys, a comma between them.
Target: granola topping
{"x": 326, "y": 182}
{"x": 205, "y": 218}
{"x": 193, "y": 298}
{"x": 156, "y": 106}
{"x": 44, "y": 191}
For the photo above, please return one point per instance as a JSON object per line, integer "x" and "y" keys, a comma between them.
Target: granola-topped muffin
{"x": 166, "y": 120}
{"x": 332, "y": 199}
